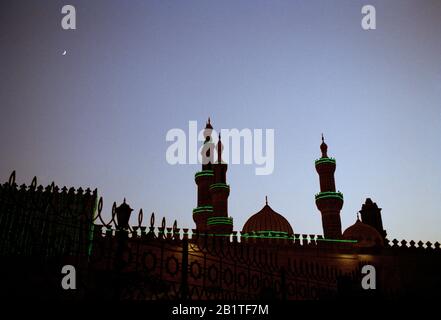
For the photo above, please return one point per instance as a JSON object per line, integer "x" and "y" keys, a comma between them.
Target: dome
{"x": 366, "y": 235}
{"x": 267, "y": 223}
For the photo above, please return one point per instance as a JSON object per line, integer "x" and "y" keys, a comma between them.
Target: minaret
{"x": 219, "y": 222}
{"x": 328, "y": 201}
{"x": 203, "y": 181}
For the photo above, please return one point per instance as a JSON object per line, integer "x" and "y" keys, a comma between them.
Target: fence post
{"x": 122, "y": 213}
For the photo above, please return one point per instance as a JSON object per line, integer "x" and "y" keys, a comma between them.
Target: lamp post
{"x": 123, "y": 213}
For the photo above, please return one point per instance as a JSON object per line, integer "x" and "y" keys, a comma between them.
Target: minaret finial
{"x": 324, "y": 148}
{"x": 266, "y": 200}
{"x": 219, "y": 150}
{"x": 208, "y": 124}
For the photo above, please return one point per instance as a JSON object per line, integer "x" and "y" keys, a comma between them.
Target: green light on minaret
{"x": 325, "y": 160}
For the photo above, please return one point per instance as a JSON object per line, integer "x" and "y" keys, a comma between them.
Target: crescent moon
{"x": 64, "y": 52}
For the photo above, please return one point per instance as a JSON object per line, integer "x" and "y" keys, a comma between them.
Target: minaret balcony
{"x": 203, "y": 173}
{"x": 329, "y": 195}
{"x": 203, "y": 209}
{"x": 220, "y": 185}
{"x": 325, "y": 160}
{"x": 219, "y": 221}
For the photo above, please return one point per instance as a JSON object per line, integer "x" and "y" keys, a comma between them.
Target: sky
{"x": 98, "y": 116}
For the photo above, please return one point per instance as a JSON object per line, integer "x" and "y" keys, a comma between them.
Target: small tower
{"x": 219, "y": 222}
{"x": 371, "y": 215}
{"x": 328, "y": 201}
{"x": 203, "y": 181}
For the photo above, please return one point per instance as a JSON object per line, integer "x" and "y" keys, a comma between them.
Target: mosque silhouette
{"x": 48, "y": 228}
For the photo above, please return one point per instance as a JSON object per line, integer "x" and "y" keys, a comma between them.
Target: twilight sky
{"x": 98, "y": 116}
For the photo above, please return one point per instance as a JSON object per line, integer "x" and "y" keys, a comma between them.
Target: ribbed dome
{"x": 267, "y": 220}
{"x": 366, "y": 235}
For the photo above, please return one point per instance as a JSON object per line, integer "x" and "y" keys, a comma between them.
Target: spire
{"x": 208, "y": 124}
{"x": 324, "y": 148}
{"x": 219, "y": 150}
{"x": 266, "y": 200}
{"x": 207, "y": 132}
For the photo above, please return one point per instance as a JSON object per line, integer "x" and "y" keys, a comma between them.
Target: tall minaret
{"x": 203, "y": 181}
{"x": 219, "y": 222}
{"x": 328, "y": 201}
